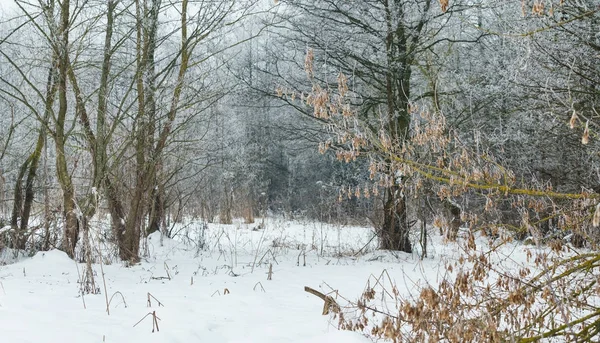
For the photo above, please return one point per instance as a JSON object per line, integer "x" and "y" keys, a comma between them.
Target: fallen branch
{"x": 168, "y": 277}
{"x": 329, "y": 305}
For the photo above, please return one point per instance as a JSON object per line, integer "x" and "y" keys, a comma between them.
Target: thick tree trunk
{"x": 117, "y": 214}
{"x": 71, "y": 227}
{"x": 157, "y": 210}
{"x": 395, "y": 231}
{"x": 31, "y": 175}
{"x": 225, "y": 206}
{"x": 394, "y": 234}
{"x": 130, "y": 249}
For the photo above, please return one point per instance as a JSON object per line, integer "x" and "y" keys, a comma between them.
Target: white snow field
{"x": 213, "y": 295}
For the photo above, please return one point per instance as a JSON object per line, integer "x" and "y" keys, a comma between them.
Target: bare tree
{"x": 377, "y": 46}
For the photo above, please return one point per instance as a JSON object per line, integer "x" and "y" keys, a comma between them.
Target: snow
{"x": 40, "y": 299}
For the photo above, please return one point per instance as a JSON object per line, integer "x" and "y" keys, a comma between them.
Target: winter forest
{"x": 299, "y": 170}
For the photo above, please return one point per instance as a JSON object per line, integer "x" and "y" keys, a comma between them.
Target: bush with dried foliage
{"x": 484, "y": 295}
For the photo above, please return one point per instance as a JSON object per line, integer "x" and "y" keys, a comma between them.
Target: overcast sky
{"x": 7, "y": 5}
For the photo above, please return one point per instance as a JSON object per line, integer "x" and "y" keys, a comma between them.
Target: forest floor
{"x": 220, "y": 293}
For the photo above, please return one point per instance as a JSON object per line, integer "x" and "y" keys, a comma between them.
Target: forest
{"x": 430, "y": 123}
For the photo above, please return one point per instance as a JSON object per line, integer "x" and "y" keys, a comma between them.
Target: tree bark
{"x": 395, "y": 232}
{"x": 157, "y": 210}
{"x": 149, "y": 151}
{"x": 17, "y": 211}
{"x": 71, "y": 227}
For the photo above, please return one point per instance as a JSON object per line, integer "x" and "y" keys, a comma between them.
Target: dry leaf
{"x": 308, "y": 62}
{"x": 573, "y": 120}
{"x": 596, "y": 220}
{"x": 585, "y": 139}
{"x": 444, "y": 4}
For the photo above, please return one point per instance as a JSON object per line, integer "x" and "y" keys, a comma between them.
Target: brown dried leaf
{"x": 596, "y": 219}
{"x": 308, "y": 62}
{"x": 573, "y": 120}
{"x": 585, "y": 139}
{"x": 444, "y": 4}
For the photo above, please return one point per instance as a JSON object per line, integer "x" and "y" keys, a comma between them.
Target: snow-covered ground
{"x": 218, "y": 294}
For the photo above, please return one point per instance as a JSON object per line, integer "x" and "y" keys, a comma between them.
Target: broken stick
{"x": 329, "y": 304}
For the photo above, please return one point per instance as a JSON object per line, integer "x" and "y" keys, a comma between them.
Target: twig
{"x": 219, "y": 239}
{"x": 155, "y": 320}
{"x": 104, "y": 282}
{"x": 150, "y": 302}
{"x": 261, "y": 286}
{"x": 364, "y": 246}
{"x": 216, "y": 292}
{"x": 81, "y": 281}
{"x": 111, "y": 298}
{"x": 257, "y": 250}
{"x": 167, "y": 270}
{"x": 168, "y": 277}
{"x": 270, "y": 274}
{"x": 265, "y": 254}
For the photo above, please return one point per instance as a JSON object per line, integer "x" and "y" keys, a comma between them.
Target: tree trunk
{"x": 31, "y": 175}
{"x": 22, "y": 206}
{"x": 71, "y": 225}
{"x": 117, "y": 214}
{"x": 395, "y": 231}
{"x": 3, "y": 210}
{"x": 149, "y": 149}
{"x": 71, "y": 228}
{"x": 46, "y": 243}
{"x": 394, "y": 234}
{"x": 157, "y": 210}
{"x": 17, "y": 211}
{"x": 225, "y": 207}
{"x": 88, "y": 284}
{"x": 147, "y": 20}
{"x": 130, "y": 249}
